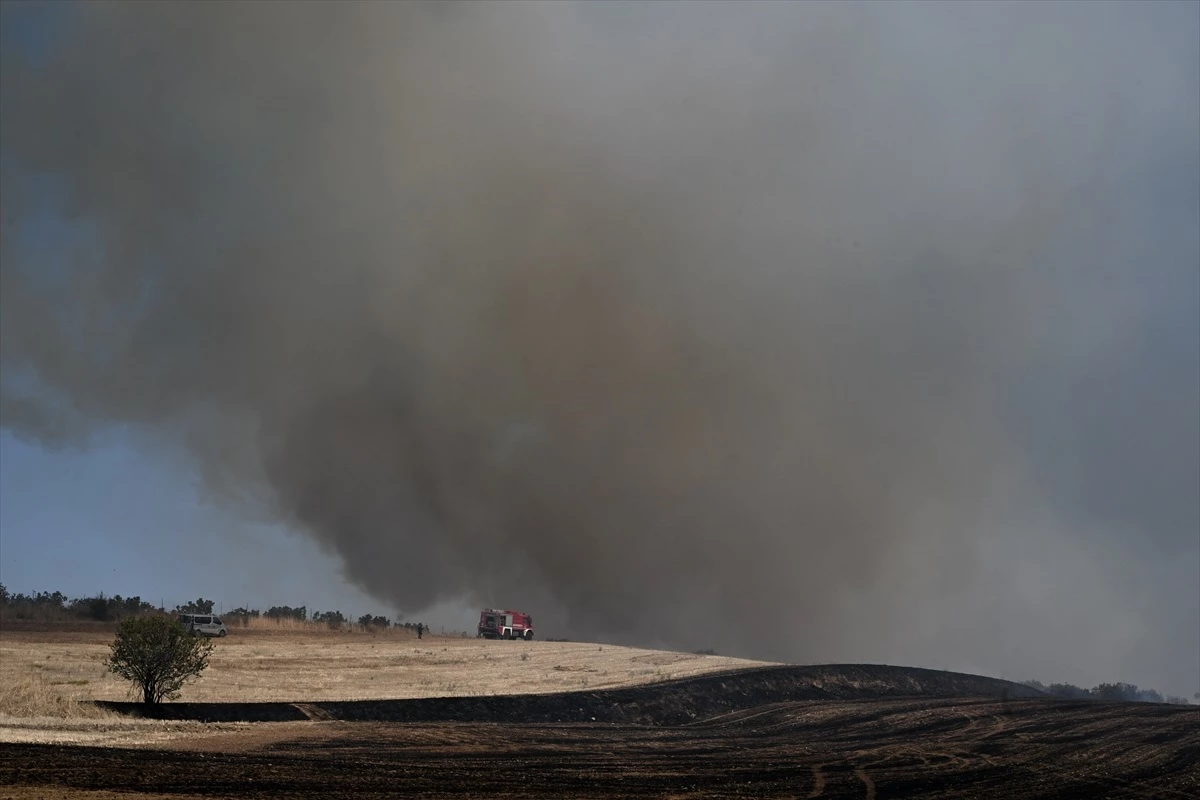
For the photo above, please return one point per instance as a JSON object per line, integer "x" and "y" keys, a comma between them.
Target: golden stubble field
{"x": 48, "y": 675}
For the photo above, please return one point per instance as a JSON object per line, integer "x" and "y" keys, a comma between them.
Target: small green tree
{"x": 156, "y": 654}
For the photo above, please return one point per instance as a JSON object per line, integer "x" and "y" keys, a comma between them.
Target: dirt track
{"x": 880, "y": 747}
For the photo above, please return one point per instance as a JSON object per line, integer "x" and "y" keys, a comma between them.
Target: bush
{"x": 156, "y": 654}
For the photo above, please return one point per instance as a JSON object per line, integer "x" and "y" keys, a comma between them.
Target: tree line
{"x": 334, "y": 619}
{"x": 58, "y": 607}
{"x": 1107, "y": 691}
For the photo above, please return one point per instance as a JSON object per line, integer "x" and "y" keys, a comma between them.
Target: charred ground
{"x": 824, "y": 731}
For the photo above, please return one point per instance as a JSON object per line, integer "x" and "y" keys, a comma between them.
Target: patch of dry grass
{"x": 109, "y": 730}
{"x": 34, "y": 695}
{"x": 38, "y": 710}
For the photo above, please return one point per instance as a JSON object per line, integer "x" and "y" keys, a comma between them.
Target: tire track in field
{"x": 818, "y": 782}
{"x": 867, "y": 782}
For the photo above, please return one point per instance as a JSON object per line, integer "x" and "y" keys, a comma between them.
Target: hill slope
{"x": 666, "y": 703}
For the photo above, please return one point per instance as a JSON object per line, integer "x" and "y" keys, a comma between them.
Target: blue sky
{"x": 31, "y": 27}
{"x": 108, "y": 519}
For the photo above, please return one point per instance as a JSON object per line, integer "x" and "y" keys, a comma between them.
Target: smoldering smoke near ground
{"x": 710, "y": 326}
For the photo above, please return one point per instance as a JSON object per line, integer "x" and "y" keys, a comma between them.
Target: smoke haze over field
{"x": 801, "y": 331}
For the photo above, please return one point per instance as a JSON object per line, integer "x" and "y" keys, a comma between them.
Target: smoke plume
{"x": 801, "y": 331}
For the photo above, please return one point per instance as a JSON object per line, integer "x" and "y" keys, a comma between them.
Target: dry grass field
{"x": 248, "y": 667}
{"x": 50, "y": 672}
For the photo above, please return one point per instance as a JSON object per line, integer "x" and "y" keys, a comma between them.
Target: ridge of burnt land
{"x": 666, "y": 703}
{"x": 928, "y": 747}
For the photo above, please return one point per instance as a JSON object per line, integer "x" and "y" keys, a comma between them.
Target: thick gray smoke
{"x": 796, "y": 330}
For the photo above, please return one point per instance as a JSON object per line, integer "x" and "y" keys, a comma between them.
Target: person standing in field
{"x": 420, "y": 630}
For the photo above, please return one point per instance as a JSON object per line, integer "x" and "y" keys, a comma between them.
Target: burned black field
{"x": 846, "y": 731}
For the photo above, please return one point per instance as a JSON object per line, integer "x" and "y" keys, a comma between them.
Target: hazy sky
{"x": 815, "y": 332}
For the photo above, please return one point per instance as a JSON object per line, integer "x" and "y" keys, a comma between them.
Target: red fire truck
{"x": 497, "y": 624}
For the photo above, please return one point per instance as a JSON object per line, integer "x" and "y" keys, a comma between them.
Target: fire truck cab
{"x": 497, "y": 624}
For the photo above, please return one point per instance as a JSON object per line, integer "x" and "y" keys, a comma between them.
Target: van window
{"x": 216, "y": 621}
{"x": 186, "y": 619}
{"x": 203, "y": 620}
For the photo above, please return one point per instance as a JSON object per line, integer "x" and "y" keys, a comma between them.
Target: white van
{"x": 203, "y": 625}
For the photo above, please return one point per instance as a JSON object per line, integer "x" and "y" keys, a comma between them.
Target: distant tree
{"x": 1121, "y": 692}
{"x": 1176, "y": 700}
{"x": 134, "y": 605}
{"x": 1115, "y": 691}
{"x": 287, "y": 612}
{"x": 1069, "y": 691}
{"x": 3, "y": 594}
{"x": 1149, "y": 696}
{"x": 368, "y": 621}
{"x": 56, "y": 600}
{"x": 197, "y": 606}
{"x": 97, "y": 607}
{"x": 43, "y": 606}
{"x": 156, "y": 654}
{"x": 240, "y": 616}
{"x": 334, "y": 619}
